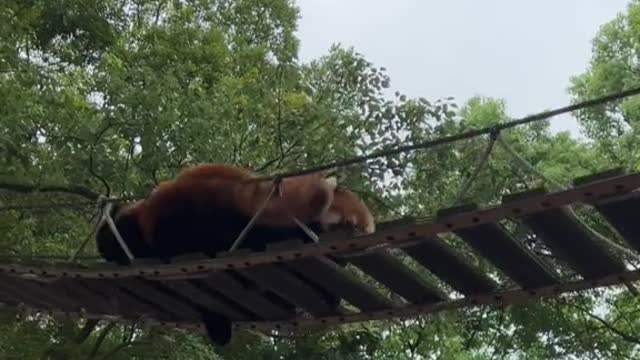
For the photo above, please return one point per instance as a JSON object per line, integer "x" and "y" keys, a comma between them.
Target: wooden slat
{"x": 327, "y": 296}
{"x": 290, "y": 287}
{"x": 8, "y": 301}
{"x": 566, "y": 238}
{"x": 42, "y": 293}
{"x": 439, "y": 258}
{"x": 620, "y": 210}
{"x": 126, "y": 304}
{"x": 206, "y": 300}
{"x": 398, "y": 277}
{"x": 144, "y": 289}
{"x": 622, "y": 214}
{"x": 251, "y": 300}
{"x": 506, "y": 253}
{"x": 91, "y": 302}
{"x": 9, "y": 298}
{"x": 28, "y": 298}
{"x": 335, "y": 279}
{"x": 599, "y": 176}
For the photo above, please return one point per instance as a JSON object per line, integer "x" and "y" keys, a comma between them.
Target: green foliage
{"x": 118, "y": 95}
{"x": 613, "y": 67}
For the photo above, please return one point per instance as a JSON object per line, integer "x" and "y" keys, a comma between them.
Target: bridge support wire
{"x": 466, "y": 185}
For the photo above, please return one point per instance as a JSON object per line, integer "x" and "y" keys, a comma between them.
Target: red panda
{"x": 207, "y": 206}
{"x": 216, "y": 188}
{"x": 214, "y": 196}
{"x": 207, "y": 215}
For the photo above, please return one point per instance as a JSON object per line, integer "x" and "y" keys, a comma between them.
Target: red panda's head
{"x": 347, "y": 208}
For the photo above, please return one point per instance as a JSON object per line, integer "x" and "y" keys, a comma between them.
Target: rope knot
{"x": 494, "y": 132}
{"x": 101, "y": 201}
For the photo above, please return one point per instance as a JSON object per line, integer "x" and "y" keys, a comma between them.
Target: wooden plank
{"x": 42, "y": 293}
{"x": 398, "y": 277}
{"x": 618, "y": 210}
{"x": 125, "y": 304}
{"x": 444, "y": 262}
{"x": 503, "y": 251}
{"x": 9, "y": 298}
{"x": 144, "y": 289}
{"x": 91, "y": 302}
{"x": 26, "y": 297}
{"x": 327, "y": 296}
{"x": 622, "y": 214}
{"x": 290, "y": 287}
{"x": 599, "y": 176}
{"x": 338, "y": 281}
{"x": 249, "y": 299}
{"x": 569, "y": 240}
{"x": 205, "y": 300}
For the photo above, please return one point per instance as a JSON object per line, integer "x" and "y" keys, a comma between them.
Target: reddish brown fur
{"x": 208, "y": 171}
{"x": 345, "y": 208}
{"x": 306, "y": 197}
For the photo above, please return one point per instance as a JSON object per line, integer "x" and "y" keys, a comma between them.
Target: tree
{"x": 613, "y": 67}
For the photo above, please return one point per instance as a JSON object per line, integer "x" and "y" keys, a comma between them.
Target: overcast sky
{"x": 522, "y": 51}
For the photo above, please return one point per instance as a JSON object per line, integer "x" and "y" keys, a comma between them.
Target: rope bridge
{"x": 285, "y": 286}
{"x": 282, "y": 287}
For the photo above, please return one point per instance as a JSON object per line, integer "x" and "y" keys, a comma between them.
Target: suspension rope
{"x": 397, "y": 149}
{"x": 98, "y": 217}
{"x": 106, "y": 215}
{"x": 251, "y": 222}
{"x": 275, "y": 189}
{"x": 310, "y": 233}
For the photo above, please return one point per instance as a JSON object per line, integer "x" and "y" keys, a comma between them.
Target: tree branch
{"x": 33, "y": 188}
{"x": 279, "y": 136}
{"x": 86, "y": 331}
{"x": 608, "y": 325}
{"x": 100, "y": 339}
{"x": 92, "y": 170}
{"x": 278, "y": 160}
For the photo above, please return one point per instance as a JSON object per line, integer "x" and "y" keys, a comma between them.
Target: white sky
{"x": 521, "y": 51}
